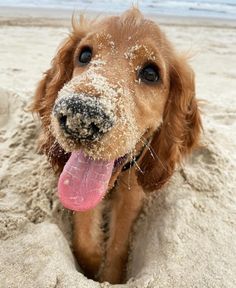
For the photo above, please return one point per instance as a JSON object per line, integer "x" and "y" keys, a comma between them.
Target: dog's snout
{"x": 83, "y": 117}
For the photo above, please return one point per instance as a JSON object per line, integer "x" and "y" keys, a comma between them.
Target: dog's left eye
{"x": 149, "y": 74}
{"x": 85, "y": 56}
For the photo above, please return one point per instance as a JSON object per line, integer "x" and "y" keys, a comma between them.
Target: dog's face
{"x": 115, "y": 85}
{"x": 117, "y": 93}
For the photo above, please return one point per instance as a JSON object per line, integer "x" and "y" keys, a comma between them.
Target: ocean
{"x": 218, "y": 9}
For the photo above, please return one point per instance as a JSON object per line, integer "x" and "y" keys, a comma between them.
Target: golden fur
{"x": 166, "y": 115}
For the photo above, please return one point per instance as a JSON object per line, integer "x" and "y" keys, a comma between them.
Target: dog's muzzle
{"x": 83, "y": 117}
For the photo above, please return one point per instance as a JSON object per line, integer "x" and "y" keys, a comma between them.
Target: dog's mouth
{"x": 84, "y": 181}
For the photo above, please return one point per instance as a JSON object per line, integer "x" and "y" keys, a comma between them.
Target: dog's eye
{"x": 85, "y": 56}
{"x": 149, "y": 74}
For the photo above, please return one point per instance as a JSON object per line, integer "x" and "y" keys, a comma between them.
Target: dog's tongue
{"x": 83, "y": 181}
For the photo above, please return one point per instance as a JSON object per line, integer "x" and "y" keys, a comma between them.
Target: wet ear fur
{"x": 179, "y": 132}
{"x": 53, "y": 80}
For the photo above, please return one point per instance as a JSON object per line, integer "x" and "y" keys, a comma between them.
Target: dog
{"x": 118, "y": 112}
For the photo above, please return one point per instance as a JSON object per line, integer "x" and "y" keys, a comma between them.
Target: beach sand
{"x": 186, "y": 234}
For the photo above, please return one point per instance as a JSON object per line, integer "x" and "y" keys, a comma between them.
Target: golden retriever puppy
{"x": 118, "y": 113}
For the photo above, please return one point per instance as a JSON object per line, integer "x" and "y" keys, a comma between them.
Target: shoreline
{"x": 56, "y": 17}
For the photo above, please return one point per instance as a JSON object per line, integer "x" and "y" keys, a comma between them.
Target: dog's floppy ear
{"x": 180, "y": 129}
{"x": 54, "y": 79}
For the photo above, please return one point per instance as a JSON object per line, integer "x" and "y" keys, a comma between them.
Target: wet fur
{"x": 173, "y": 139}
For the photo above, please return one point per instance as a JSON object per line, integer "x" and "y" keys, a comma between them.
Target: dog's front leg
{"x": 126, "y": 205}
{"x": 87, "y": 240}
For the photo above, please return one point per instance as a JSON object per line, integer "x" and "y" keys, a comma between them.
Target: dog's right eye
{"x": 85, "y": 56}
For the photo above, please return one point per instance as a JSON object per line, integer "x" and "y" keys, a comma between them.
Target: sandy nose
{"x": 83, "y": 117}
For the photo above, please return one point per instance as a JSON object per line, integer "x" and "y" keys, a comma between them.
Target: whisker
{"x": 148, "y": 147}
{"x": 129, "y": 177}
{"x": 136, "y": 164}
{"x": 153, "y": 153}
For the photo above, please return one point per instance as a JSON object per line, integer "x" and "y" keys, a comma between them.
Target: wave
{"x": 200, "y": 8}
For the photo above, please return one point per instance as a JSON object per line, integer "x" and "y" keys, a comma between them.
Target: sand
{"x": 186, "y": 234}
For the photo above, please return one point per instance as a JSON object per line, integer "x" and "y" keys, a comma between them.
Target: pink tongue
{"x": 83, "y": 181}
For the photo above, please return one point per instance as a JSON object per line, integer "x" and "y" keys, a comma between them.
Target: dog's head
{"x": 117, "y": 89}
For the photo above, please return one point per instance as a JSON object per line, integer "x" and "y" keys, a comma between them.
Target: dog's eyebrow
{"x": 132, "y": 51}
{"x": 103, "y": 39}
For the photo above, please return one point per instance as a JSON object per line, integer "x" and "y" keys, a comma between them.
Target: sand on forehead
{"x": 185, "y": 236}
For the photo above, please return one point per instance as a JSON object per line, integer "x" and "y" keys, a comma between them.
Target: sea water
{"x": 224, "y": 9}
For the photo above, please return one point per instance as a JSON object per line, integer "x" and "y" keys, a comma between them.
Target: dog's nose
{"x": 83, "y": 117}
